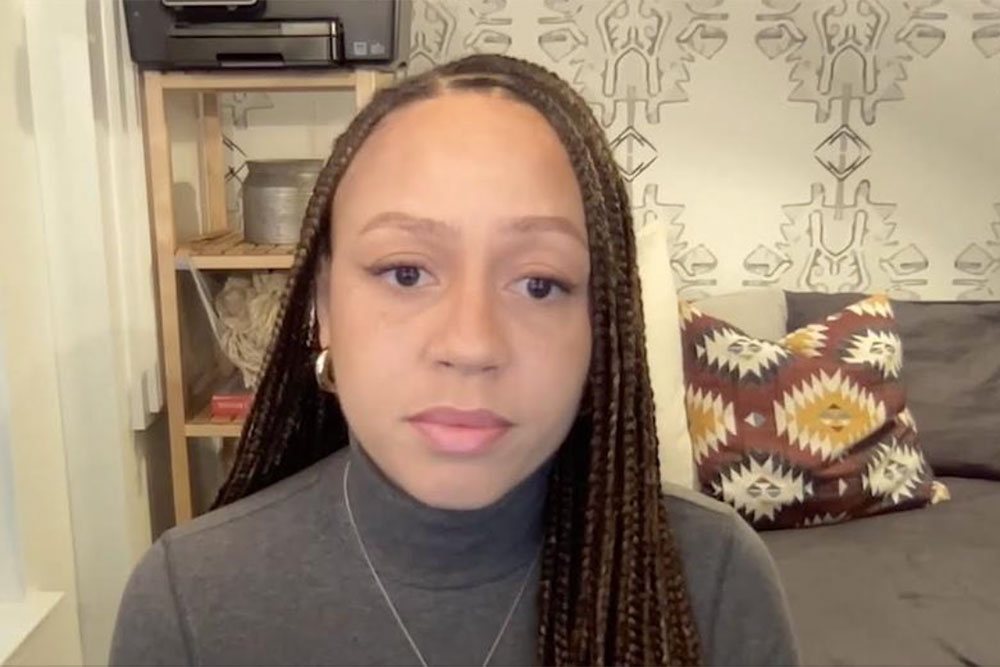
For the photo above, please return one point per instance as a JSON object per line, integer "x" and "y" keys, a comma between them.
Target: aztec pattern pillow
{"x": 812, "y": 429}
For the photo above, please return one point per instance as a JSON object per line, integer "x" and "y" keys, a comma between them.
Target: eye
{"x": 403, "y": 275}
{"x": 541, "y": 289}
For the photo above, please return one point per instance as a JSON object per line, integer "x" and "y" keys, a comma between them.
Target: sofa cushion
{"x": 912, "y": 588}
{"x": 813, "y": 429}
{"x": 951, "y": 375}
{"x": 760, "y": 313}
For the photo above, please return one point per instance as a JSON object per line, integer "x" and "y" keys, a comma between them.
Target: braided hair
{"x": 612, "y": 588}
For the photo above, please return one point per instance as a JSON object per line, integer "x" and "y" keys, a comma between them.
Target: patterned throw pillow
{"x": 809, "y": 430}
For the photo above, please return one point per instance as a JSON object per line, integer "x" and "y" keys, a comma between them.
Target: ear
{"x": 321, "y": 296}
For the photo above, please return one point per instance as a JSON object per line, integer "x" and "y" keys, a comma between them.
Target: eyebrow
{"x": 430, "y": 227}
{"x": 406, "y": 222}
{"x": 547, "y": 223}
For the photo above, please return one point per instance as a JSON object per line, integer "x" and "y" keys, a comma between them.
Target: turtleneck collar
{"x": 438, "y": 548}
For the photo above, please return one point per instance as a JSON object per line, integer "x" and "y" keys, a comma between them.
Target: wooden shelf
{"x": 204, "y": 425}
{"x": 285, "y": 80}
{"x": 227, "y": 250}
{"x": 224, "y": 249}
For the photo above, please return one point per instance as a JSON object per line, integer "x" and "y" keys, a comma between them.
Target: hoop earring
{"x": 324, "y": 372}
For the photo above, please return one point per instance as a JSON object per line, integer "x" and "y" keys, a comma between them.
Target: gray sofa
{"x": 919, "y": 587}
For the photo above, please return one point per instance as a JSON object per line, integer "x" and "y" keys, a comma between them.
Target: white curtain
{"x": 11, "y": 577}
{"x": 91, "y": 175}
{"x": 121, "y": 168}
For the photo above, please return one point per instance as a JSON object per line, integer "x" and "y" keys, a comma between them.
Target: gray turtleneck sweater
{"x": 278, "y": 579}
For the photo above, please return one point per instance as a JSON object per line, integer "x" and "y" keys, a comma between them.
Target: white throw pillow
{"x": 663, "y": 352}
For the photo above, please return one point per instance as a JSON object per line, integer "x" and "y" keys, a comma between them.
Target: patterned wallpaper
{"x": 825, "y": 145}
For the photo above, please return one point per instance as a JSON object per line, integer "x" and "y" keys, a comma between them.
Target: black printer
{"x": 215, "y": 34}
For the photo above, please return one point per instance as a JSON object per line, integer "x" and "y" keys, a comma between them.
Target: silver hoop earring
{"x": 324, "y": 372}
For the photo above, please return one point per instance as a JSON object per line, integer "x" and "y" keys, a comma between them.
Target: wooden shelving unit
{"x": 204, "y": 425}
{"x": 220, "y": 247}
{"x": 226, "y": 250}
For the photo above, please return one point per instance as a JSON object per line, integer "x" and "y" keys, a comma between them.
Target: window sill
{"x": 19, "y": 619}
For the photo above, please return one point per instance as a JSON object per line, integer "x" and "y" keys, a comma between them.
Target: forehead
{"x": 461, "y": 155}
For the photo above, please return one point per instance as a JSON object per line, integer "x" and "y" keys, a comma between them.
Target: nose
{"x": 469, "y": 339}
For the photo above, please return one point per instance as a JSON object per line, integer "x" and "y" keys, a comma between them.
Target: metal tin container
{"x": 275, "y": 196}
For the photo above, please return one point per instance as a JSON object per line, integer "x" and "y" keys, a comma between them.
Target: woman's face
{"x": 456, "y": 306}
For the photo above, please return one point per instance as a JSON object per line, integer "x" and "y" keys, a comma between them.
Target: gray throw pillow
{"x": 951, "y": 370}
{"x": 759, "y": 313}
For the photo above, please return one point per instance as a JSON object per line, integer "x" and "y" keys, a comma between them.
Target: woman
{"x": 452, "y": 458}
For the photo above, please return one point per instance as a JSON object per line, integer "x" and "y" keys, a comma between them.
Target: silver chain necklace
{"x": 392, "y": 607}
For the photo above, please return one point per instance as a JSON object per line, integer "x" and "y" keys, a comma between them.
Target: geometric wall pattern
{"x": 825, "y": 145}
{"x": 979, "y": 263}
{"x": 846, "y": 59}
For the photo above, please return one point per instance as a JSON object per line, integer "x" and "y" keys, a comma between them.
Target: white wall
{"x": 38, "y": 456}
{"x": 71, "y": 260}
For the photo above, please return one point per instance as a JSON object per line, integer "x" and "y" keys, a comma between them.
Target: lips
{"x": 454, "y": 431}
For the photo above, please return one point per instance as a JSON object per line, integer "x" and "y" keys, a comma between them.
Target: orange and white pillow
{"x": 808, "y": 430}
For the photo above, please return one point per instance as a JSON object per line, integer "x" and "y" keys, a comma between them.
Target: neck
{"x": 423, "y": 545}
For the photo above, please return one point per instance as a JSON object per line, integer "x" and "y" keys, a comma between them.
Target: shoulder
{"x": 714, "y": 540}
{"x": 682, "y": 499}
{"x": 244, "y": 537}
{"x": 702, "y": 524}
{"x": 199, "y": 572}
{"x": 269, "y": 505}
{"x": 710, "y": 528}
{"x": 736, "y": 596}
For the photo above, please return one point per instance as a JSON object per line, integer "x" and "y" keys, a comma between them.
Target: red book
{"x": 231, "y": 405}
{"x": 231, "y": 401}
